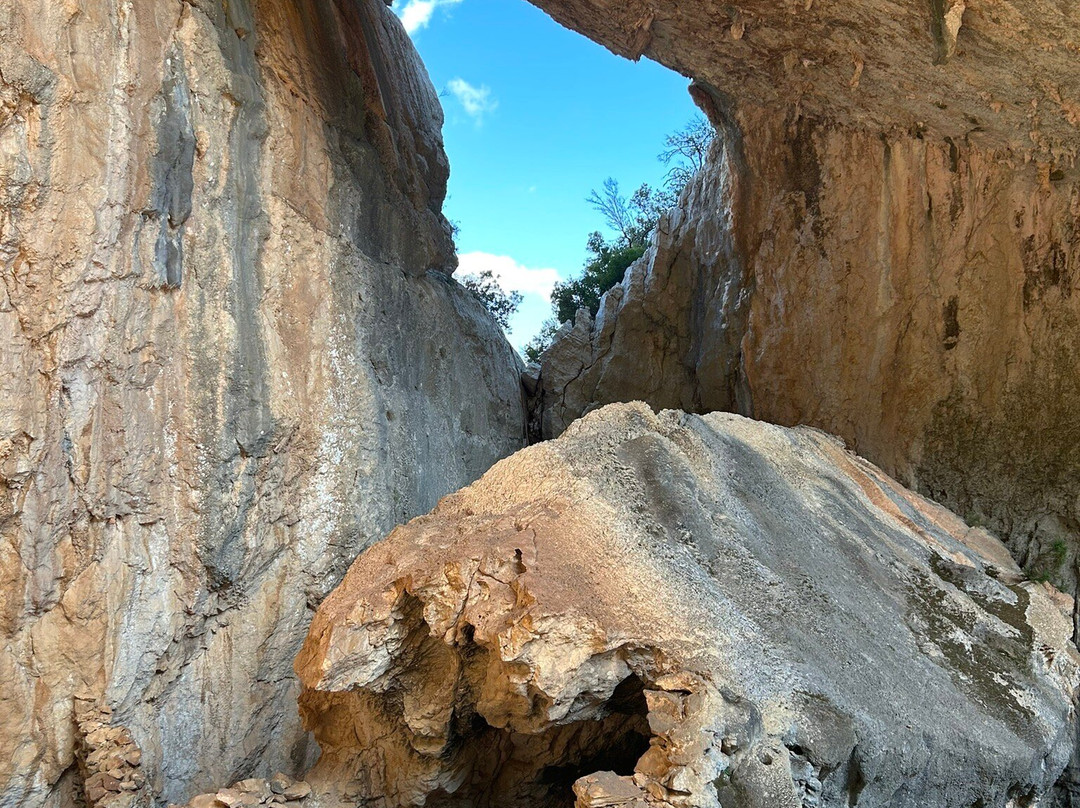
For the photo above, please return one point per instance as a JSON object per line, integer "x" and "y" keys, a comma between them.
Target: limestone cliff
{"x": 233, "y": 357}
{"x": 689, "y": 611}
{"x": 883, "y": 245}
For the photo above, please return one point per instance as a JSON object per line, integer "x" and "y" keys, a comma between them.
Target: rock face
{"x": 233, "y": 357}
{"x": 679, "y": 610}
{"x": 883, "y": 245}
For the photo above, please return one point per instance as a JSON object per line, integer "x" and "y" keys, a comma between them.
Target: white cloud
{"x": 476, "y": 101}
{"x": 512, "y": 276}
{"x": 416, "y": 14}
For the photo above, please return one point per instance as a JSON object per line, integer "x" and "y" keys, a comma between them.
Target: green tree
{"x": 494, "y": 298}
{"x": 534, "y": 348}
{"x": 632, "y": 219}
{"x": 608, "y": 263}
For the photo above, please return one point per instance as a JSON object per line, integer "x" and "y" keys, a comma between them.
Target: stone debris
{"x": 109, "y": 760}
{"x": 605, "y": 789}
{"x": 280, "y": 791}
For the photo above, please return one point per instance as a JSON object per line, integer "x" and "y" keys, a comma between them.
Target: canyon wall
{"x": 233, "y": 358}
{"x": 883, "y": 244}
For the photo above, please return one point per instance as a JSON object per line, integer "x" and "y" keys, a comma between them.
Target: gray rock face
{"x": 678, "y": 610}
{"x": 232, "y": 358}
{"x": 882, "y": 245}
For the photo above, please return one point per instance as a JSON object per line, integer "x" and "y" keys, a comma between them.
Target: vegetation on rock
{"x": 485, "y": 288}
{"x": 632, "y": 219}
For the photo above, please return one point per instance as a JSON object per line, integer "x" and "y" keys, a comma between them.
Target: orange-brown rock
{"x": 108, "y": 759}
{"x": 232, "y": 358}
{"x": 690, "y": 611}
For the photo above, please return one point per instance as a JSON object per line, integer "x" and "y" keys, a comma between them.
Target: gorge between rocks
{"x": 801, "y": 521}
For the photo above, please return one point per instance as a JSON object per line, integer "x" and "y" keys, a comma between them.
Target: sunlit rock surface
{"x": 678, "y": 610}
{"x": 232, "y": 358}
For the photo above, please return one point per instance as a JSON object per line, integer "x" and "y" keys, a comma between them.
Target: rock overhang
{"x": 998, "y": 73}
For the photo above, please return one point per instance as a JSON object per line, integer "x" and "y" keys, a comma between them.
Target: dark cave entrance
{"x": 539, "y": 771}
{"x": 499, "y": 768}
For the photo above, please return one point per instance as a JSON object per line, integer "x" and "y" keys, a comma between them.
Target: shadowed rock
{"x": 232, "y": 357}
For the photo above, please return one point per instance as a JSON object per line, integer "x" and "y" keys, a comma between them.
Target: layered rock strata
{"x": 883, "y": 245}
{"x": 678, "y": 610}
{"x": 233, "y": 358}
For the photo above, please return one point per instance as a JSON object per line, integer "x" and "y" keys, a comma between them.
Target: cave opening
{"x": 537, "y": 118}
{"x": 539, "y": 771}
{"x": 486, "y": 766}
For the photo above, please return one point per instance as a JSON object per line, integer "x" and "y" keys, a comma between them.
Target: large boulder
{"x": 883, "y": 245}
{"x": 678, "y": 610}
{"x": 233, "y": 357}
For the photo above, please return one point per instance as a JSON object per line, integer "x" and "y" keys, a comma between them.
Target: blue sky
{"x": 536, "y": 117}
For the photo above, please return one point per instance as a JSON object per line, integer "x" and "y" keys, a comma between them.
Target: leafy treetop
{"x": 632, "y": 219}
{"x": 485, "y": 288}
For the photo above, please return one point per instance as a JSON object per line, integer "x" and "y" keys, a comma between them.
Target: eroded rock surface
{"x": 883, "y": 245}
{"x": 232, "y": 358}
{"x": 679, "y": 610}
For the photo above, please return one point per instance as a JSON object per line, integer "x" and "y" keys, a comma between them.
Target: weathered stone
{"x": 721, "y": 611}
{"x": 118, "y": 736}
{"x": 882, "y": 245}
{"x": 279, "y": 783}
{"x": 232, "y": 357}
{"x": 103, "y": 780}
{"x": 606, "y": 789}
{"x": 230, "y": 797}
{"x": 297, "y": 791}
